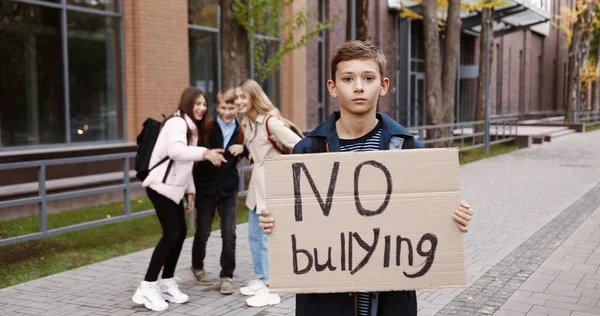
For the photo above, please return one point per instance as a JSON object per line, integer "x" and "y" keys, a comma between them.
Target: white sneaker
{"x": 170, "y": 291}
{"x": 263, "y": 298}
{"x": 253, "y": 287}
{"x": 148, "y": 294}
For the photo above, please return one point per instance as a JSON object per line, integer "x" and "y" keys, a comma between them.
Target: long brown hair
{"x": 186, "y": 106}
{"x": 261, "y": 102}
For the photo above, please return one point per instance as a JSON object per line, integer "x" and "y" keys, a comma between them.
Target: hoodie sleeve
{"x": 303, "y": 146}
{"x": 177, "y": 147}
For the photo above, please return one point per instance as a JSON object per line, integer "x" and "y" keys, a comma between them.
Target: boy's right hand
{"x": 236, "y": 150}
{"x": 215, "y": 156}
{"x": 266, "y": 222}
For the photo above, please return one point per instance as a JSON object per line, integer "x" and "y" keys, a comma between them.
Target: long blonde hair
{"x": 261, "y": 102}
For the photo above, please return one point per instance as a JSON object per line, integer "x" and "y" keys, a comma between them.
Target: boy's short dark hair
{"x": 226, "y": 95}
{"x": 357, "y": 50}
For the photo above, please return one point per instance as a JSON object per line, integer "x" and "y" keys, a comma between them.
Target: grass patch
{"x": 591, "y": 128}
{"x": 475, "y": 154}
{"x": 30, "y": 260}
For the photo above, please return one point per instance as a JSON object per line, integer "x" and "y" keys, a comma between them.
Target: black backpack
{"x": 146, "y": 141}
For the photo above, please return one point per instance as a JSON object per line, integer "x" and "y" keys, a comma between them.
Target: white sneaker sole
{"x": 138, "y": 299}
{"x": 273, "y": 300}
{"x": 174, "y": 300}
{"x": 248, "y": 292}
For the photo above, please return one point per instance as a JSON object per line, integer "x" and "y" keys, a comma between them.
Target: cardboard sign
{"x": 370, "y": 221}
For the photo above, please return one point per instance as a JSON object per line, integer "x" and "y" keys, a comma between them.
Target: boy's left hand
{"x": 462, "y": 216}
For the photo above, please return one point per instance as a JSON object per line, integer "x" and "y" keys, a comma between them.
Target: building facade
{"x": 85, "y": 74}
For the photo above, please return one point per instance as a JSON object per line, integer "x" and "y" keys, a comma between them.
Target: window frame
{"x": 216, "y": 31}
{"x": 64, "y": 9}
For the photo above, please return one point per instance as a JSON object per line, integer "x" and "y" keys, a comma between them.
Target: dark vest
{"x": 225, "y": 179}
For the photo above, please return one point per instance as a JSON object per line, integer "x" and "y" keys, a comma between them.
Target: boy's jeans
{"x": 205, "y": 206}
{"x": 258, "y": 246}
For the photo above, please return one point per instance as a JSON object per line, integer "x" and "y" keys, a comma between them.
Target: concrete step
{"x": 557, "y": 134}
{"x": 563, "y": 133}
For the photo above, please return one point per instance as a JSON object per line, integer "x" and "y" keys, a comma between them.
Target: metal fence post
{"x": 127, "y": 203}
{"x": 43, "y": 203}
{"x": 486, "y": 127}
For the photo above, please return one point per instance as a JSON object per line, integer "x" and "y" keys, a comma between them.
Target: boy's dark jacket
{"x": 399, "y": 303}
{"x": 224, "y": 180}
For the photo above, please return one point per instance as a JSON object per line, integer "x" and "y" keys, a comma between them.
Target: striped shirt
{"x": 368, "y": 142}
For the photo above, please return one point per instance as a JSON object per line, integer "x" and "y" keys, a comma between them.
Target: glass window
{"x": 104, "y": 5}
{"x": 31, "y": 75}
{"x": 203, "y": 12}
{"x": 204, "y": 63}
{"x": 94, "y": 78}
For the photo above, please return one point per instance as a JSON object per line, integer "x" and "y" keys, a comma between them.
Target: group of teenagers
{"x": 202, "y": 171}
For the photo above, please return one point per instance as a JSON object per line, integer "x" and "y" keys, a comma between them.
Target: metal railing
{"x": 533, "y": 116}
{"x": 43, "y": 197}
{"x": 467, "y": 135}
{"x": 587, "y": 117}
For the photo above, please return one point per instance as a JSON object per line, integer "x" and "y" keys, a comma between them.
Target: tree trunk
{"x": 235, "y": 48}
{"x": 361, "y": 20}
{"x": 596, "y": 84}
{"x": 362, "y": 23}
{"x": 450, "y": 64}
{"x": 433, "y": 67}
{"x": 486, "y": 17}
{"x": 586, "y": 39}
{"x": 574, "y": 65}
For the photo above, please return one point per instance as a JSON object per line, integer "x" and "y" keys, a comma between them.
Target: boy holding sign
{"x": 358, "y": 81}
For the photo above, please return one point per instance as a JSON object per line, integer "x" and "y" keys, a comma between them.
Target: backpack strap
{"x": 159, "y": 163}
{"x": 189, "y": 132}
{"x": 269, "y": 136}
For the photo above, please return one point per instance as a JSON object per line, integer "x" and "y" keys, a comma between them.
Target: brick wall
{"x": 532, "y": 66}
{"x": 156, "y": 59}
{"x": 533, "y": 70}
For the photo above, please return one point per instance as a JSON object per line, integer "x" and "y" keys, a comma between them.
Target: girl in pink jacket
{"x": 166, "y": 186}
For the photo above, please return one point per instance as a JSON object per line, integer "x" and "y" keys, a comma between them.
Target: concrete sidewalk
{"x": 532, "y": 249}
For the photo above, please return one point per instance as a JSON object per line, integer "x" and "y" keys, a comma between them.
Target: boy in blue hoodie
{"x": 358, "y": 82}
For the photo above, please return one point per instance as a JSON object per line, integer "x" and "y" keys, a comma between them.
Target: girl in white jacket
{"x": 166, "y": 185}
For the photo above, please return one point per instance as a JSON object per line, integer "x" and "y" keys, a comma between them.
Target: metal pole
{"x": 43, "y": 202}
{"x": 486, "y": 146}
{"x": 353, "y": 20}
{"x": 219, "y": 81}
{"x": 127, "y": 196}
{"x": 65, "y": 60}
{"x": 122, "y": 73}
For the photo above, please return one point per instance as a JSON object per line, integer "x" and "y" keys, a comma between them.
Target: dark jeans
{"x": 205, "y": 210}
{"x": 166, "y": 253}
